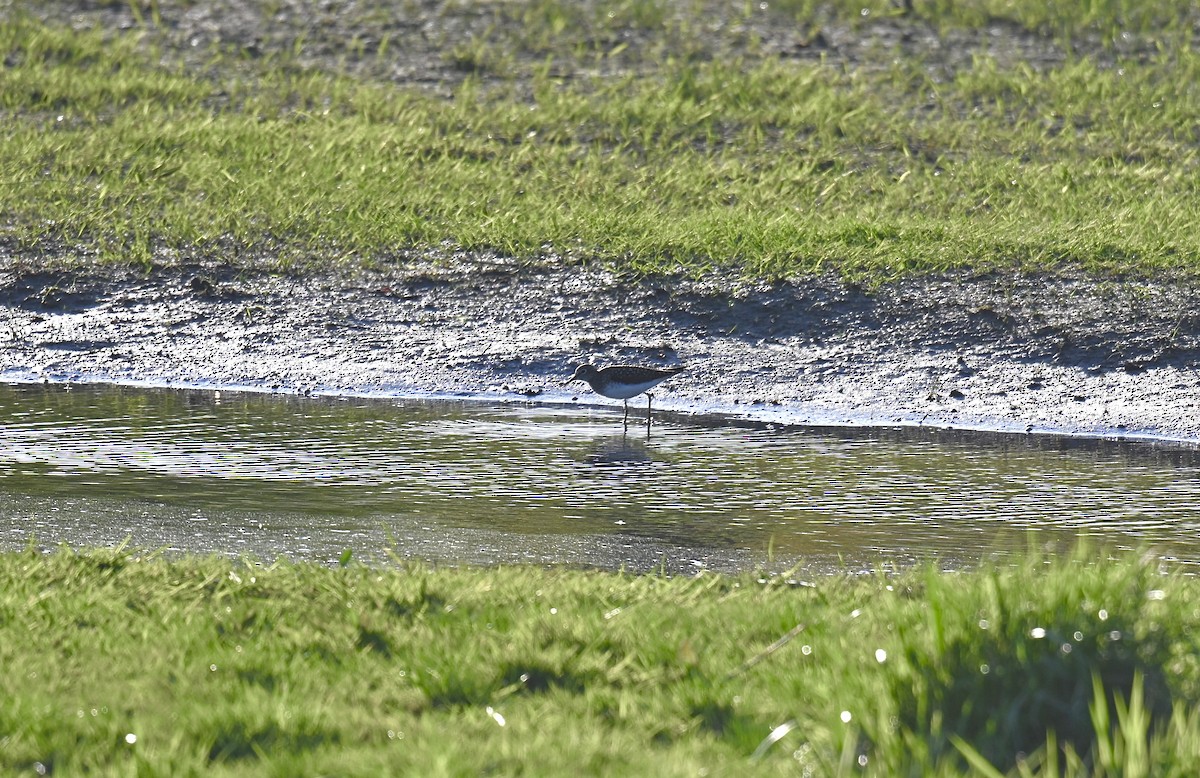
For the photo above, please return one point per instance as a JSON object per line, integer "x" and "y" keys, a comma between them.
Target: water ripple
{"x": 125, "y": 459}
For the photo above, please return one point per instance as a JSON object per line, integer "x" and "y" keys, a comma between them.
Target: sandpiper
{"x": 620, "y": 382}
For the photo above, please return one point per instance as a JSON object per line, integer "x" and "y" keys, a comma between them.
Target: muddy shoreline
{"x": 1003, "y": 351}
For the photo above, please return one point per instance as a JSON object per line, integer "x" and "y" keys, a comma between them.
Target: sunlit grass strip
{"x": 118, "y": 660}
{"x": 776, "y": 168}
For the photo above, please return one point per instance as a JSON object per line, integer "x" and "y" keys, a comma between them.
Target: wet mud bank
{"x": 1009, "y": 352}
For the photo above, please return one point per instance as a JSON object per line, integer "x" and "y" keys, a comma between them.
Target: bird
{"x": 620, "y": 382}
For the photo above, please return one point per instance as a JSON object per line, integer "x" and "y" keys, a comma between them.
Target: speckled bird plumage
{"x": 620, "y": 382}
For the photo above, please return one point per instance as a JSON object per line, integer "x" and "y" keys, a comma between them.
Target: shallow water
{"x": 309, "y": 478}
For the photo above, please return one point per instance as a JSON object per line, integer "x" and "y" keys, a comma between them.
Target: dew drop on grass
{"x": 984, "y": 624}
{"x": 1114, "y": 635}
{"x": 1102, "y": 614}
{"x": 1157, "y": 594}
{"x": 846, "y": 717}
{"x": 1037, "y": 633}
{"x": 984, "y": 668}
{"x": 496, "y": 715}
{"x": 130, "y": 738}
{"x": 806, "y": 650}
{"x": 1078, "y": 636}
{"x": 880, "y": 655}
{"x": 1066, "y": 648}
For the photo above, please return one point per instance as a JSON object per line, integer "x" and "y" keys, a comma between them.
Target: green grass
{"x": 118, "y": 662}
{"x": 677, "y": 160}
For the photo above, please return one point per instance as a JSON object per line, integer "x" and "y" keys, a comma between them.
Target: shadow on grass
{"x": 238, "y": 739}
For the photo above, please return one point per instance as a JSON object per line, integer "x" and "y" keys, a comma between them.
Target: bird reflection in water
{"x": 619, "y": 451}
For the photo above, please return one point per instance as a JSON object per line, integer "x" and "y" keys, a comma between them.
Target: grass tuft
{"x": 1046, "y": 657}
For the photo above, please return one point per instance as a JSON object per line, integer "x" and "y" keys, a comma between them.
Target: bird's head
{"x": 583, "y": 373}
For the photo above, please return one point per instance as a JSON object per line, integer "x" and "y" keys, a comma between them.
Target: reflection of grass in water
{"x": 772, "y": 166}
{"x": 115, "y": 659}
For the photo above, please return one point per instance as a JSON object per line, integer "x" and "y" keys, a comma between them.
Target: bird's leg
{"x": 649, "y": 399}
{"x": 626, "y": 412}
